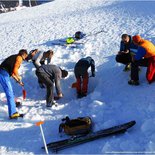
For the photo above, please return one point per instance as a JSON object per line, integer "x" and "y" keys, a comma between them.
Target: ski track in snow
{"x": 111, "y": 101}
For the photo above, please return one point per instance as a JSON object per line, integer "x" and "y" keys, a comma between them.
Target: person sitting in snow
{"x": 9, "y": 67}
{"x": 145, "y": 56}
{"x": 48, "y": 75}
{"x": 39, "y": 58}
{"x": 126, "y": 47}
{"x": 82, "y": 76}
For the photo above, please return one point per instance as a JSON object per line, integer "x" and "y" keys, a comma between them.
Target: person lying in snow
{"x": 50, "y": 75}
{"x": 82, "y": 76}
{"x": 9, "y": 67}
{"x": 39, "y": 58}
{"x": 126, "y": 48}
{"x": 145, "y": 56}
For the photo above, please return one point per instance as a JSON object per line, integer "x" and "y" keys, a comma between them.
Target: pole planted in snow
{"x": 42, "y": 133}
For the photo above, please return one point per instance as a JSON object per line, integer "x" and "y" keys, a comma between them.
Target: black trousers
{"x": 44, "y": 78}
{"x": 124, "y": 58}
{"x": 135, "y": 68}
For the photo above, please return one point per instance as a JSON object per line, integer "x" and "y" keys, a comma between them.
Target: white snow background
{"x": 111, "y": 101}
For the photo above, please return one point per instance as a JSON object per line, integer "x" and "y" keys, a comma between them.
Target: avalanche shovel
{"x": 24, "y": 93}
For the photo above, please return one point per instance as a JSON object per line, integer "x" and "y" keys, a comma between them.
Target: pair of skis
{"x": 64, "y": 44}
{"x": 78, "y": 43}
{"x": 73, "y": 141}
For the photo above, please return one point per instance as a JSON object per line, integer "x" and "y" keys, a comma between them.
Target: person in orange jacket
{"x": 9, "y": 68}
{"x": 145, "y": 56}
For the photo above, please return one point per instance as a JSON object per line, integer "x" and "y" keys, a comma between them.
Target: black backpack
{"x": 78, "y": 126}
{"x": 79, "y": 35}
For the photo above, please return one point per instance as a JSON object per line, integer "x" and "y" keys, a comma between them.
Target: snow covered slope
{"x": 110, "y": 101}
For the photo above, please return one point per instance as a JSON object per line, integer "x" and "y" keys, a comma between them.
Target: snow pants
{"x": 146, "y": 62}
{"x": 7, "y": 87}
{"x": 135, "y": 69}
{"x": 82, "y": 84}
{"x": 45, "y": 78}
{"x": 81, "y": 75}
{"x": 123, "y": 58}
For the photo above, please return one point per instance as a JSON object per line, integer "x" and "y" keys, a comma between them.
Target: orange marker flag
{"x": 39, "y": 123}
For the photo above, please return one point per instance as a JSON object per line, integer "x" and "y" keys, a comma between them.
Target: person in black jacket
{"x": 50, "y": 75}
{"x": 9, "y": 68}
{"x": 127, "y": 47}
{"x": 82, "y": 76}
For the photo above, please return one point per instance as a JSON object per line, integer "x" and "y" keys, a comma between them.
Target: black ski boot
{"x": 132, "y": 82}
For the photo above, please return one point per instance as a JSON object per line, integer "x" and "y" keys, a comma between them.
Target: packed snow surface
{"x": 110, "y": 100}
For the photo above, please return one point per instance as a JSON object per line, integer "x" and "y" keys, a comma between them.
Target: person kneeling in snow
{"x": 39, "y": 58}
{"x": 124, "y": 56}
{"x": 82, "y": 76}
{"x": 50, "y": 74}
{"x": 145, "y": 56}
{"x": 9, "y": 67}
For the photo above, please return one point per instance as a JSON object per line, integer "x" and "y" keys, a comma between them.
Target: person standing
{"x": 9, "y": 68}
{"x": 39, "y": 58}
{"x": 82, "y": 76}
{"x": 50, "y": 75}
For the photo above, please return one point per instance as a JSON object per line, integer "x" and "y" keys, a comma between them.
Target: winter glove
{"x": 60, "y": 95}
{"x": 42, "y": 62}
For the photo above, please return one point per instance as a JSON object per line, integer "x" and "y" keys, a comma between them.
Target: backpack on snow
{"x": 79, "y": 35}
{"x": 79, "y": 126}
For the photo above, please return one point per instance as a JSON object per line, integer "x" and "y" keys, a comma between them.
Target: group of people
{"x": 135, "y": 52}
{"x": 48, "y": 75}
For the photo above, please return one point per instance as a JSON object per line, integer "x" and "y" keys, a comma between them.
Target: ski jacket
{"x": 38, "y": 59}
{"x": 52, "y": 71}
{"x": 130, "y": 46}
{"x": 146, "y": 49}
{"x": 12, "y": 64}
{"x": 83, "y": 64}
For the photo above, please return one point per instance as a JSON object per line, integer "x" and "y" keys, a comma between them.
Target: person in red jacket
{"x": 9, "y": 68}
{"x": 145, "y": 56}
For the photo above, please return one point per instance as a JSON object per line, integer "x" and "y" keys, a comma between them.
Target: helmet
{"x": 70, "y": 40}
{"x": 79, "y": 35}
{"x": 64, "y": 73}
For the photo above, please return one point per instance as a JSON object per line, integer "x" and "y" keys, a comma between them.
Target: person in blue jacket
{"x": 127, "y": 48}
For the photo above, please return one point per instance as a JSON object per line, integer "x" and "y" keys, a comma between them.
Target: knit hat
{"x": 64, "y": 73}
{"x": 136, "y": 38}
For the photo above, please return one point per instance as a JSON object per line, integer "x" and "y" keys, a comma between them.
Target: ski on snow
{"x": 73, "y": 141}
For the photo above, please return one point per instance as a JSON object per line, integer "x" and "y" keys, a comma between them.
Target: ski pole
{"x": 42, "y": 133}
